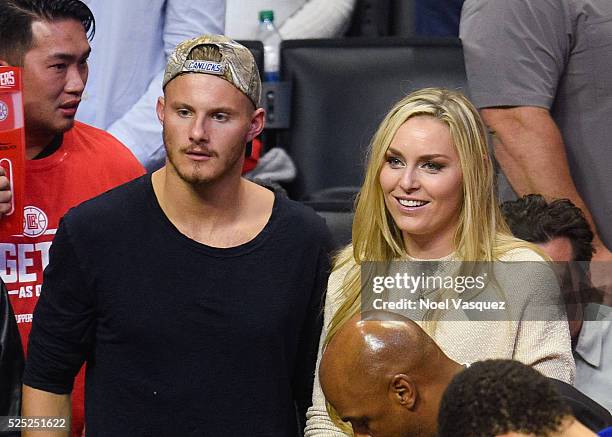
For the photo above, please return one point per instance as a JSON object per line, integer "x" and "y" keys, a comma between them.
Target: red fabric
{"x": 89, "y": 162}
{"x": 250, "y": 162}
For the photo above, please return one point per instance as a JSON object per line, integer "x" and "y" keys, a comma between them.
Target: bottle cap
{"x": 266, "y": 15}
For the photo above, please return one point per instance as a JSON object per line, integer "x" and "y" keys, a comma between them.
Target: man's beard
{"x": 192, "y": 175}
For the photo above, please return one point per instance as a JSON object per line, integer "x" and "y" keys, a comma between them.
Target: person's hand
{"x": 601, "y": 273}
{"x": 5, "y": 193}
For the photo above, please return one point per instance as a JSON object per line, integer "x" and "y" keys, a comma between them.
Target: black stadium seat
{"x": 341, "y": 90}
{"x": 338, "y": 216}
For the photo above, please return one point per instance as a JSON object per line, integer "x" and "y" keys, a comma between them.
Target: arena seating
{"x": 338, "y": 215}
{"x": 341, "y": 89}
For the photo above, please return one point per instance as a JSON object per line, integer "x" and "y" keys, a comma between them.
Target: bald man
{"x": 386, "y": 377}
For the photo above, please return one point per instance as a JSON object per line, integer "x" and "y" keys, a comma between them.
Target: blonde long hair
{"x": 481, "y": 234}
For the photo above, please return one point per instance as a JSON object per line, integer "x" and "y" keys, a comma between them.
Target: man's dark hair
{"x": 16, "y": 17}
{"x": 533, "y": 219}
{"x": 500, "y": 396}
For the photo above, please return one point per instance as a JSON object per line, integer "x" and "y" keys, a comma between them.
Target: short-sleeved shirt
{"x": 554, "y": 54}
{"x": 593, "y": 356}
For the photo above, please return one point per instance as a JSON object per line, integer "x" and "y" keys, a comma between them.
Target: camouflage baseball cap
{"x": 237, "y": 64}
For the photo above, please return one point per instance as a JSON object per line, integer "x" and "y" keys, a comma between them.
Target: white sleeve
{"x": 543, "y": 339}
{"x": 318, "y": 19}
{"x": 546, "y": 346}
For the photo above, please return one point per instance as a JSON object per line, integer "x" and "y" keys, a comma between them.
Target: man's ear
{"x": 404, "y": 391}
{"x": 161, "y": 103}
{"x": 257, "y": 124}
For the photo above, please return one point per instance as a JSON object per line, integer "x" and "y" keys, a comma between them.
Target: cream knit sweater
{"x": 545, "y": 345}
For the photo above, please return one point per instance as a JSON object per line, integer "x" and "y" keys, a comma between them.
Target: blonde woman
{"x": 429, "y": 194}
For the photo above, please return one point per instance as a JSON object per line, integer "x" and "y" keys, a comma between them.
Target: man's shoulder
{"x": 478, "y": 9}
{"x": 302, "y": 218}
{"x": 105, "y": 145}
{"x": 86, "y": 131}
{"x": 114, "y": 205}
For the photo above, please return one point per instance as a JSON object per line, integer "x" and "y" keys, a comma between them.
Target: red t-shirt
{"x": 89, "y": 162}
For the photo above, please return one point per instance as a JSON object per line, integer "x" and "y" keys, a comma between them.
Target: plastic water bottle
{"x": 269, "y": 35}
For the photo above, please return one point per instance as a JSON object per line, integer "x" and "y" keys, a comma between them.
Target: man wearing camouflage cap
{"x": 193, "y": 294}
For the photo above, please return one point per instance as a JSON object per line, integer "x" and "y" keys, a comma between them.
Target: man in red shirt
{"x": 68, "y": 162}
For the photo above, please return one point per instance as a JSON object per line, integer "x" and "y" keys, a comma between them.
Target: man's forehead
{"x": 64, "y": 31}
{"x": 50, "y": 27}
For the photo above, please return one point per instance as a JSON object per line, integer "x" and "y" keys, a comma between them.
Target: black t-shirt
{"x": 180, "y": 338}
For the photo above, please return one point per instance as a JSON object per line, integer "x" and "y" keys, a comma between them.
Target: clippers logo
{"x": 34, "y": 221}
{"x": 204, "y": 67}
{"x": 7, "y": 79}
{"x": 4, "y": 111}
